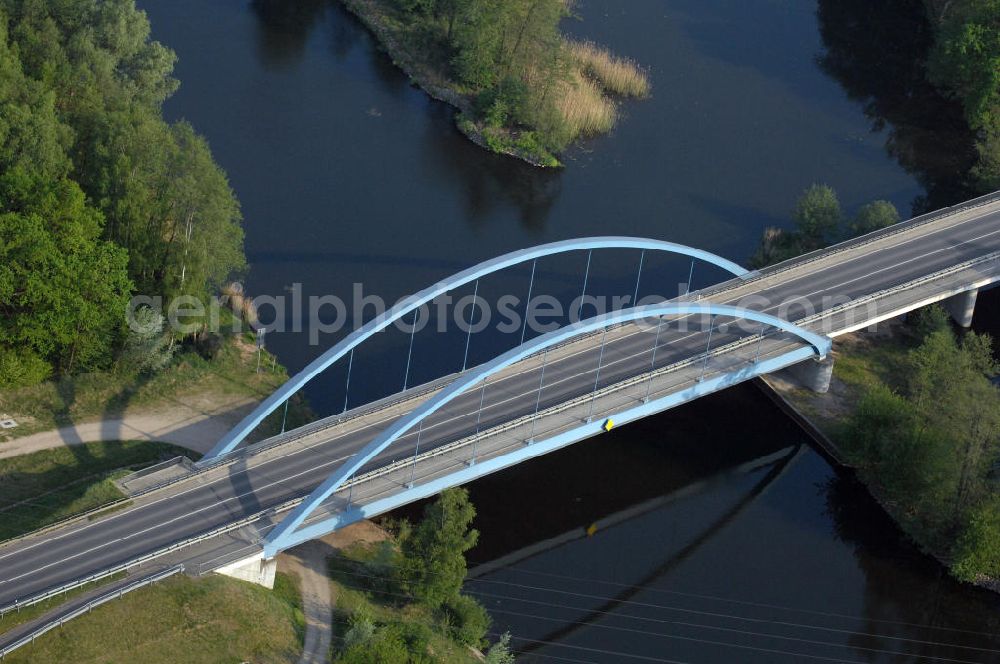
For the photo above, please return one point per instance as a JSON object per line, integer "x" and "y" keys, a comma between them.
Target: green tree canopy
{"x": 965, "y": 61}
{"x": 817, "y": 214}
{"x": 63, "y": 290}
{"x": 93, "y": 179}
{"x": 31, "y": 135}
{"x": 873, "y": 216}
{"x": 966, "y": 58}
{"x": 931, "y": 447}
{"x": 433, "y": 563}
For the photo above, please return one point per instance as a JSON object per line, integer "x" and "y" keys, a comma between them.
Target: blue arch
{"x": 294, "y": 384}
{"x": 821, "y": 346}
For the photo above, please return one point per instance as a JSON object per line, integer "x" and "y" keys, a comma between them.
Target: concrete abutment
{"x": 961, "y": 307}
{"x": 813, "y": 375}
{"x": 255, "y": 569}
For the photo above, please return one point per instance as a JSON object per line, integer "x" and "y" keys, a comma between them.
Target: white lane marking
{"x": 511, "y": 375}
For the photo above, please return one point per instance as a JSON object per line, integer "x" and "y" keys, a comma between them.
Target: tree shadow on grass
{"x": 44, "y": 487}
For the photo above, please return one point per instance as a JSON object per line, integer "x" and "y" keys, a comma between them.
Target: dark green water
{"x": 349, "y": 174}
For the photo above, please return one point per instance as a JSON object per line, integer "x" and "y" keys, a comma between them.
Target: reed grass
{"x": 584, "y": 108}
{"x": 242, "y": 306}
{"x": 617, "y": 75}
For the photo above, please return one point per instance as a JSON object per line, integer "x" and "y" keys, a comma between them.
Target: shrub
{"x": 21, "y": 368}
{"x": 209, "y": 345}
{"x": 977, "y": 552}
{"x": 386, "y": 646}
{"x": 417, "y": 636}
{"x": 147, "y": 347}
{"x": 468, "y": 620}
{"x": 432, "y": 566}
{"x": 873, "y": 216}
{"x": 499, "y": 652}
{"x": 817, "y": 214}
{"x": 776, "y": 245}
{"x": 497, "y": 114}
{"x": 987, "y": 169}
{"x": 361, "y": 630}
{"x": 929, "y": 320}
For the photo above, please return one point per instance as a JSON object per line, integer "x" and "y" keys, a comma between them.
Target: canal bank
{"x": 350, "y": 175}
{"x": 866, "y": 417}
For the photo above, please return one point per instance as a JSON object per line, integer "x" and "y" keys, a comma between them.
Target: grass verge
{"x": 288, "y": 589}
{"x": 43, "y": 487}
{"x": 231, "y": 375}
{"x": 209, "y": 620}
{"x": 27, "y": 614}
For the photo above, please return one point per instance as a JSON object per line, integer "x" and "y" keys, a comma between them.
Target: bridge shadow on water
{"x": 595, "y": 478}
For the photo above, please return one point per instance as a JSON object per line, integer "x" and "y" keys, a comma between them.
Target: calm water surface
{"x": 720, "y": 535}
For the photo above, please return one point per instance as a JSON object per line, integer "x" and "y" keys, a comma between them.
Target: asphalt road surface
{"x": 224, "y": 495}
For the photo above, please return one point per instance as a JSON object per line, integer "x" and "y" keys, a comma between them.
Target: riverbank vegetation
{"x": 965, "y": 61}
{"x": 207, "y": 620}
{"x": 100, "y": 198}
{"x": 522, "y": 88}
{"x": 400, "y": 600}
{"x": 819, "y": 222}
{"x": 912, "y": 408}
{"x": 927, "y": 437}
{"x": 922, "y": 418}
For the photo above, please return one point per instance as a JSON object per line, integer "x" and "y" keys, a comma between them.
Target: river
{"x": 719, "y": 534}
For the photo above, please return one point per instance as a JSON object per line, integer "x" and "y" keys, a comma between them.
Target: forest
{"x": 100, "y": 197}
{"x": 965, "y": 61}
{"x": 927, "y": 440}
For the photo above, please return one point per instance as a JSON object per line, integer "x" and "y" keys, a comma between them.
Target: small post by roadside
{"x": 260, "y": 345}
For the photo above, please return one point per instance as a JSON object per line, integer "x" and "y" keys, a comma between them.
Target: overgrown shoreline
{"x": 914, "y": 414}
{"x": 867, "y": 363}
{"x": 576, "y": 95}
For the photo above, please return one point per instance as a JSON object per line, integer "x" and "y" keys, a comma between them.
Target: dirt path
{"x": 309, "y": 562}
{"x": 194, "y": 423}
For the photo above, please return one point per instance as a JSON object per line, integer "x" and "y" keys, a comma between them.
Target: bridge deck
{"x": 892, "y": 273}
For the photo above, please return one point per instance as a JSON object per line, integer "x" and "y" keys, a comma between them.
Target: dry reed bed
{"x": 583, "y": 99}
{"x": 584, "y": 107}
{"x": 617, "y": 75}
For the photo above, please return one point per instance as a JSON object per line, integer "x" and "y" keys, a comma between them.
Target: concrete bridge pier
{"x": 255, "y": 569}
{"x": 962, "y": 307}
{"x": 813, "y": 375}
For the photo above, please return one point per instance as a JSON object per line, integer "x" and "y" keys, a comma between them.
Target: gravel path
{"x": 191, "y": 424}
{"x": 308, "y": 561}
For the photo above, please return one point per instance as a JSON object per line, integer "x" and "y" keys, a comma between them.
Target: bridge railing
{"x": 345, "y": 348}
{"x": 820, "y": 345}
{"x": 61, "y": 619}
{"x": 899, "y": 228}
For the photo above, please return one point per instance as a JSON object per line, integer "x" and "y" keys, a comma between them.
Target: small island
{"x": 521, "y": 87}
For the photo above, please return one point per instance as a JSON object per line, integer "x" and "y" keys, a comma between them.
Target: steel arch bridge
{"x": 301, "y": 524}
{"x": 290, "y": 532}
{"x": 411, "y": 304}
